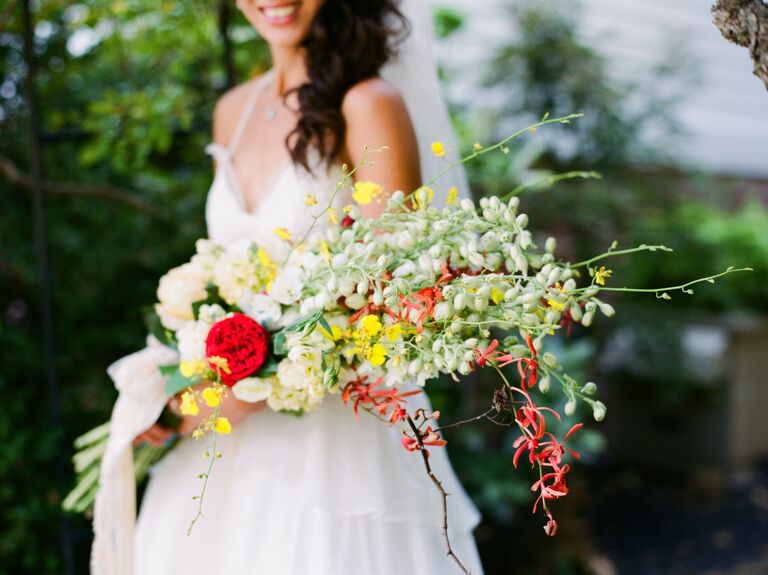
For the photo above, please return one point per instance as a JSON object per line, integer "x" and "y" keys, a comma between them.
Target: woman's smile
{"x": 280, "y": 14}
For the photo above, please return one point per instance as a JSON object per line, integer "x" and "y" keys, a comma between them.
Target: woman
{"x": 326, "y": 493}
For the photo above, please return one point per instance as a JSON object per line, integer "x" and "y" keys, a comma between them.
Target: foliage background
{"x": 127, "y": 89}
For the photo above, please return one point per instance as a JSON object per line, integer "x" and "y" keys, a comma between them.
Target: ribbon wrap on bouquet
{"x": 141, "y": 399}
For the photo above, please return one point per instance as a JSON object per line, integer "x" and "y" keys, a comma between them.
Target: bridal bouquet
{"x": 367, "y": 311}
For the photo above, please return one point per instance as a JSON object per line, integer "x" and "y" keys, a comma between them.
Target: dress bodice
{"x": 282, "y": 204}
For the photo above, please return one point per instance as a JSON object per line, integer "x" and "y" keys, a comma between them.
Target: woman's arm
{"x": 231, "y": 408}
{"x": 376, "y": 116}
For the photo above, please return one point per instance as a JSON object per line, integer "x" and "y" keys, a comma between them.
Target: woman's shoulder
{"x": 228, "y": 107}
{"x": 374, "y": 94}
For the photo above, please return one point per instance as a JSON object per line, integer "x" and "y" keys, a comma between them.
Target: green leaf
{"x": 213, "y": 298}
{"x": 169, "y": 369}
{"x": 176, "y": 382}
{"x": 305, "y": 324}
{"x": 324, "y": 324}
{"x": 157, "y": 329}
{"x": 331, "y": 365}
{"x": 269, "y": 368}
{"x": 278, "y": 343}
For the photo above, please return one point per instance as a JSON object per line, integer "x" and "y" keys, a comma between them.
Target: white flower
{"x": 287, "y": 285}
{"x": 191, "y": 340}
{"x": 211, "y": 313}
{"x": 234, "y": 274}
{"x": 263, "y": 308}
{"x": 355, "y": 301}
{"x": 253, "y": 389}
{"x": 177, "y": 291}
{"x": 299, "y": 387}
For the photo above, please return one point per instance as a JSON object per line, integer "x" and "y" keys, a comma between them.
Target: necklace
{"x": 271, "y": 112}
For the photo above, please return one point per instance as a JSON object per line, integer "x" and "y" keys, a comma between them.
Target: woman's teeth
{"x": 280, "y": 13}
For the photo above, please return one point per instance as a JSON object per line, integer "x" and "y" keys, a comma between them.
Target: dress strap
{"x": 246, "y": 113}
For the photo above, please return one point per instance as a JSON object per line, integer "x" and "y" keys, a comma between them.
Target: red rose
{"x": 242, "y": 342}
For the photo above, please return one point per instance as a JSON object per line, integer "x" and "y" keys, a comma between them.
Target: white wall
{"x": 725, "y": 116}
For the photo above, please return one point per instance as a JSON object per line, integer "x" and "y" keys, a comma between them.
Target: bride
{"x": 326, "y": 493}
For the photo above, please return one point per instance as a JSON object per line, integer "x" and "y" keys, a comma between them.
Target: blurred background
{"x": 674, "y": 481}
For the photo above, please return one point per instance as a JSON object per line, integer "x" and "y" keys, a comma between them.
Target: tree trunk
{"x": 745, "y": 22}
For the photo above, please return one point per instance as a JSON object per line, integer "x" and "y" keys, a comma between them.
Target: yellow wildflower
{"x": 197, "y": 434}
{"x": 334, "y": 335}
{"x": 212, "y": 396}
{"x": 417, "y": 197}
{"x": 371, "y": 325}
{"x": 453, "y": 193}
{"x": 325, "y": 250}
{"x": 438, "y": 149}
{"x": 602, "y": 274}
{"x": 332, "y": 217}
{"x": 264, "y": 259}
{"x": 189, "y": 404}
{"x": 477, "y": 147}
{"x": 346, "y": 209}
{"x": 365, "y": 192}
{"x": 310, "y": 200}
{"x": 282, "y": 233}
{"x": 377, "y": 354}
{"x": 497, "y": 296}
{"x": 192, "y": 368}
{"x": 393, "y": 331}
{"x": 555, "y": 305}
{"x": 220, "y": 362}
{"x": 222, "y": 426}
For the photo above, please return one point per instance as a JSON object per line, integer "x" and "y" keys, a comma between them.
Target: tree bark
{"x": 745, "y": 22}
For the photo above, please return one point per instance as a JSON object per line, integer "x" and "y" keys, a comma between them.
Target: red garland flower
{"x": 242, "y": 342}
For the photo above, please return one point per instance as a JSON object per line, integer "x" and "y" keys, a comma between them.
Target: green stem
{"x": 550, "y": 181}
{"x": 339, "y": 186}
{"x": 611, "y": 252}
{"x": 681, "y": 287}
{"x": 211, "y": 449}
{"x": 497, "y": 146}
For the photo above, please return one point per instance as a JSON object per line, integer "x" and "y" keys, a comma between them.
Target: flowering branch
{"x": 612, "y": 251}
{"x": 443, "y": 494}
{"x": 551, "y": 180}
{"x": 661, "y": 293}
{"x": 210, "y": 451}
{"x": 501, "y": 145}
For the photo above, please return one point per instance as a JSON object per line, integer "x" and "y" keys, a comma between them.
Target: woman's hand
{"x": 155, "y": 436}
{"x": 231, "y": 408}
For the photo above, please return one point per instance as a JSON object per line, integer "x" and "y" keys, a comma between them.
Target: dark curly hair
{"x": 349, "y": 41}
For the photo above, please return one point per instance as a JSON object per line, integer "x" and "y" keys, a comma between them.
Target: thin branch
{"x": 15, "y": 176}
{"x": 443, "y": 495}
{"x": 484, "y": 415}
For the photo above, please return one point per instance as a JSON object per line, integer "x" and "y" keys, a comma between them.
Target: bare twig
{"x": 15, "y": 176}
{"x": 484, "y": 415}
{"x": 443, "y": 495}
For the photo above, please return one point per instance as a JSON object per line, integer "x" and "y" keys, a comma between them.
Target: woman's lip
{"x": 280, "y": 14}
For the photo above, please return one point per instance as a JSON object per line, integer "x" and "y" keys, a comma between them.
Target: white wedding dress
{"x": 322, "y": 494}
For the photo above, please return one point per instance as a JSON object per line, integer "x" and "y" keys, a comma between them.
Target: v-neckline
{"x": 229, "y": 150}
{"x": 237, "y": 190}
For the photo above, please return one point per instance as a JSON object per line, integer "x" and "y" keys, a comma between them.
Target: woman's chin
{"x": 283, "y": 38}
